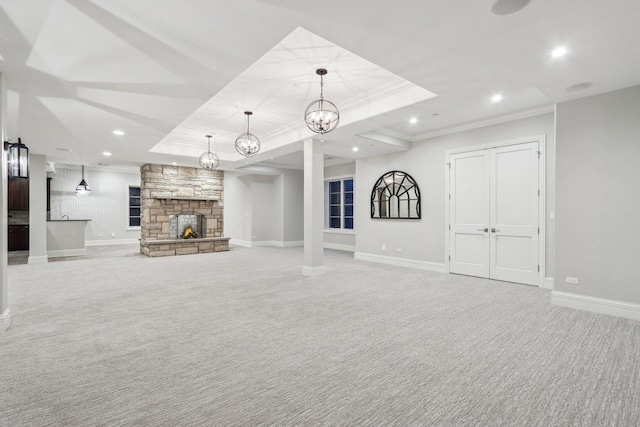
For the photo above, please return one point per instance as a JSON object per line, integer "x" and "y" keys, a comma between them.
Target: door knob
{"x": 493, "y": 230}
{"x": 483, "y": 229}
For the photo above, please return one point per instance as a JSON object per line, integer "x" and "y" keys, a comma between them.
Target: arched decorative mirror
{"x": 395, "y": 195}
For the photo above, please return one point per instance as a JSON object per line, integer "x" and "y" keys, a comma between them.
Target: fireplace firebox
{"x": 187, "y": 225}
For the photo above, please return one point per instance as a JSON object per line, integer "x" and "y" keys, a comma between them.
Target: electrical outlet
{"x": 384, "y": 248}
{"x": 572, "y": 280}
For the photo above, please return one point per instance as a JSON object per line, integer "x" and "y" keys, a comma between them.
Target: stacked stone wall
{"x": 170, "y": 190}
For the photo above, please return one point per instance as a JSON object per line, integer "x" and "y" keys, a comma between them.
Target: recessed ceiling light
{"x": 106, "y": 153}
{"x": 507, "y": 7}
{"x": 413, "y": 120}
{"x": 118, "y": 132}
{"x": 67, "y": 150}
{"x": 496, "y": 98}
{"x": 558, "y": 52}
{"x": 355, "y": 148}
{"x": 174, "y": 164}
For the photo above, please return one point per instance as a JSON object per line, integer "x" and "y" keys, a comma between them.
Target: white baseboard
{"x": 313, "y": 271}
{"x": 548, "y": 283}
{"x": 110, "y": 242}
{"x": 596, "y": 305}
{"x": 263, "y": 243}
{"x": 338, "y": 247}
{"x": 66, "y": 252}
{"x": 400, "y": 262}
{"x": 5, "y": 320}
{"x": 43, "y": 259}
{"x": 244, "y": 243}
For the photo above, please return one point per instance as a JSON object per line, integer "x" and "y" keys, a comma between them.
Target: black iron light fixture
{"x": 322, "y": 116}
{"x": 247, "y": 144}
{"x": 83, "y": 188}
{"x": 17, "y": 159}
{"x": 209, "y": 160}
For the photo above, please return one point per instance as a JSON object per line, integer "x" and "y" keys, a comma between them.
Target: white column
{"x": 313, "y": 208}
{"x": 5, "y": 312}
{"x": 37, "y": 209}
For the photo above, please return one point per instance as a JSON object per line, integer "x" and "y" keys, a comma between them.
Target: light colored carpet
{"x": 241, "y": 338}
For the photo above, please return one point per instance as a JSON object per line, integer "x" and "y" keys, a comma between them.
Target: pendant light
{"x": 83, "y": 188}
{"x": 321, "y": 116}
{"x": 209, "y": 160}
{"x": 247, "y": 144}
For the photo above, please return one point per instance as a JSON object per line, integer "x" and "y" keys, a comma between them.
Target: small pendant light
{"x": 83, "y": 188}
{"x": 321, "y": 116}
{"x": 247, "y": 144}
{"x": 209, "y": 160}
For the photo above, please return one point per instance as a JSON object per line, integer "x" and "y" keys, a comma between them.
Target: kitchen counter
{"x": 65, "y": 237}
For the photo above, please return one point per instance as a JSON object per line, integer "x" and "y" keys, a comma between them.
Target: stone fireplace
{"x": 174, "y": 198}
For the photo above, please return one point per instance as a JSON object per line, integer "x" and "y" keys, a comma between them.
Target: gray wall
{"x": 4, "y": 289}
{"x": 106, "y": 207}
{"x": 263, "y": 205}
{"x": 423, "y": 240}
{"x": 598, "y": 202}
{"x": 37, "y": 208}
{"x": 293, "y": 205}
{"x": 264, "y": 208}
{"x": 237, "y": 206}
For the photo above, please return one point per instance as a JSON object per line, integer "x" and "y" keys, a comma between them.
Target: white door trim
{"x": 542, "y": 148}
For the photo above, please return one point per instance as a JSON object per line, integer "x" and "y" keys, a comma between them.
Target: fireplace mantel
{"x": 188, "y": 199}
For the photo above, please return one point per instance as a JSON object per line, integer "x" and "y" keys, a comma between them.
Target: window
{"x": 339, "y": 204}
{"x": 134, "y": 206}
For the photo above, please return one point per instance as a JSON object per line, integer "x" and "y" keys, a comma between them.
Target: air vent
{"x": 507, "y": 7}
{"x": 579, "y": 86}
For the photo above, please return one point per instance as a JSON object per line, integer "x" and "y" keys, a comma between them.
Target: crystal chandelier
{"x": 321, "y": 116}
{"x": 247, "y": 144}
{"x": 209, "y": 160}
{"x": 83, "y": 188}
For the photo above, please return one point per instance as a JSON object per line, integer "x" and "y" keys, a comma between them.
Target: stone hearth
{"x": 170, "y": 190}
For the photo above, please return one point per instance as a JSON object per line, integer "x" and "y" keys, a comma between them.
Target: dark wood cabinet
{"x": 18, "y": 237}
{"x": 18, "y": 194}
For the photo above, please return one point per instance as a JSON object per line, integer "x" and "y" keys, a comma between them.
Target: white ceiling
{"x": 167, "y": 73}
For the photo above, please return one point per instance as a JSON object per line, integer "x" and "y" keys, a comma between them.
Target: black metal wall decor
{"x": 395, "y": 195}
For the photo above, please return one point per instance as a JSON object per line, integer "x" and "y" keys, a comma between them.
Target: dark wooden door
{"x": 18, "y": 239}
{"x": 18, "y": 194}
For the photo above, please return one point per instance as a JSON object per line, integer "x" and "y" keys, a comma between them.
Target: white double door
{"x": 494, "y": 213}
